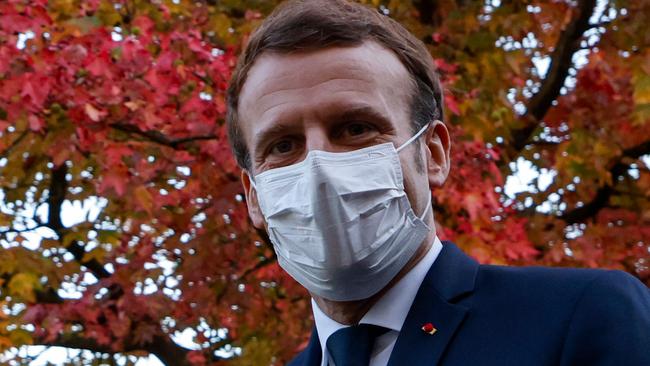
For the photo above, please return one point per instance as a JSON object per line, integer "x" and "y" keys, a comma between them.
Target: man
{"x": 335, "y": 118}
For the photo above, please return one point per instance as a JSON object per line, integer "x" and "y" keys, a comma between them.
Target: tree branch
{"x": 603, "y": 193}
{"x": 561, "y": 62}
{"x": 162, "y": 346}
{"x": 160, "y": 138}
{"x": 262, "y": 263}
{"x": 57, "y": 191}
{"x": 47, "y": 296}
{"x": 13, "y": 144}
{"x": 427, "y": 11}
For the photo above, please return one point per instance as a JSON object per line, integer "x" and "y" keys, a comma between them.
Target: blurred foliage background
{"x": 122, "y": 227}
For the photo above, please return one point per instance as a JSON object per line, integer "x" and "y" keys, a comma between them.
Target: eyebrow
{"x": 278, "y": 129}
{"x": 286, "y": 128}
{"x": 361, "y": 111}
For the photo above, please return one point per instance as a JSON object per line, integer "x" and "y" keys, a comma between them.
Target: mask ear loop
{"x": 413, "y": 138}
{"x": 427, "y": 208}
{"x": 251, "y": 180}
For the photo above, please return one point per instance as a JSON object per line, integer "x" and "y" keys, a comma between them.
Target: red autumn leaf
{"x": 129, "y": 122}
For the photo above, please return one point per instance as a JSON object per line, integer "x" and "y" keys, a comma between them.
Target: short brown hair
{"x": 308, "y": 25}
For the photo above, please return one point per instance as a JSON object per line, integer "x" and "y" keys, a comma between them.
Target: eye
{"x": 357, "y": 129}
{"x": 282, "y": 147}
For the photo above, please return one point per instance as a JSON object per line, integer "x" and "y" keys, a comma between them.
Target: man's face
{"x": 336, "y": 99}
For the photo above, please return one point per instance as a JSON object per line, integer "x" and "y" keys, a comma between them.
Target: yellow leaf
{"x": 96, "y": 254}
{"x": 50, "y": 243}
{"x": 5, "y": 220}
{"x": 641, "y": 114}
{"x": 20, "y": 337}
{"x": 221, "y": 24}
{"x": 108, "y": 237}
{"x": 144, "y": 198}
{"x": 641, "y": 95}
{"x": 257, "y": 352}
{"x": 23, "y": 285}
{"x": 5, "y": 343}
{"x": 641, "y": 89}
{"x": 85, "y": 24}
{"x": 8, "y": 262}
{"x": 107, "y": 13}
{"x": 72, "y": 236}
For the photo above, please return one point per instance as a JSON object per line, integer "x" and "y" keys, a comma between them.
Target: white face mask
{"x": 341, "y": 223}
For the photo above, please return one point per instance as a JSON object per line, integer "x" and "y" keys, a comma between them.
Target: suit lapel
{"x": 451, "y": 276}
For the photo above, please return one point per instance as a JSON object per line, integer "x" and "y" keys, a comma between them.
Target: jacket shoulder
{"x": 610, "y": 323}
{"x": 565, "y": 315}
{"x": 556, "y": 279}
{"x": 560, "y": 290}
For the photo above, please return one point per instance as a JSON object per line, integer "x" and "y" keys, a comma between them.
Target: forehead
{"x": 300, "y": 85}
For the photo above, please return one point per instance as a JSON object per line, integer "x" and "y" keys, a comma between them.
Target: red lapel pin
{"x": 429, "y": 328}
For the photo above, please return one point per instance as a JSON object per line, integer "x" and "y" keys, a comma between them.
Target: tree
{"x": 122, "y": 103}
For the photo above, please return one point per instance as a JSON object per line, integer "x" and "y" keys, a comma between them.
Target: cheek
{"x": 254, "y": 210}
{"x": 410, "y": 181}
{"x": 415, "y": 180}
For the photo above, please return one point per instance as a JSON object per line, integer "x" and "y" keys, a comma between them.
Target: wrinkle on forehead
{"x": 347, "y": 58}
{"x": 355, "y": 63}
{"x": 345, "y": 72}
{"x": 323, "y": 92}
{"x": 368, "y": 71}
{"x": 320, "y": 83}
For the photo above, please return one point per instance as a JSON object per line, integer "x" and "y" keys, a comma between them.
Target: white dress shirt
{"x": 389, "y": 312}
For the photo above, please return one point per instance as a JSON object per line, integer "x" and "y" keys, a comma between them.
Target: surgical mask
{"x": 341, "y": 223}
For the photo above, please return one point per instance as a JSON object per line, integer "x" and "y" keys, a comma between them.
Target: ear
{"x": 439, "y": 145}
{"x": 254, "y": 211}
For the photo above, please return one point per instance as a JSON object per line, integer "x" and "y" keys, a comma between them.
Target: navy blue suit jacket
{"x": 493, "y": 315}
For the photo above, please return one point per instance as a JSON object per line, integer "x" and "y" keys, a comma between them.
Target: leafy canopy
{"x": 119, "y": 106}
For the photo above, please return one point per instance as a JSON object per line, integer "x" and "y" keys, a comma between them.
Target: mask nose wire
{"x": 408, "y": 142}
{"x": 413, "y": 138}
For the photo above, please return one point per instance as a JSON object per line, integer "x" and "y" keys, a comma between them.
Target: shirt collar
{"x": 392, "y": 308}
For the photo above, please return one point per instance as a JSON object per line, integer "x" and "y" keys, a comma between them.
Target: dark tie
{"x": 351, "y": 346}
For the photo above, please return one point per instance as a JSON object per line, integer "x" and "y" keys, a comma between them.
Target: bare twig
{"x": 601, "y": 198}
{"x": 13, "y": 145}
{"x": 160, "y": 138}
